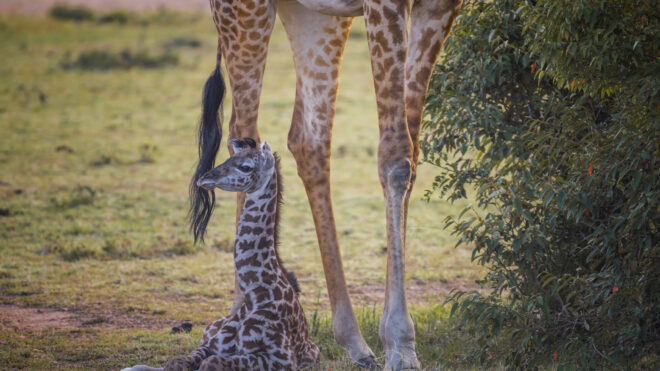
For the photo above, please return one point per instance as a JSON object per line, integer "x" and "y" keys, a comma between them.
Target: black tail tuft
{"x": 293, "y": 281}
{"x": 210, "y": 134}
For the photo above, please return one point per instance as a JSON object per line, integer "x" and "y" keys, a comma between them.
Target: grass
{"x": 94, "y": 169}
{"x": 91, "y": 348}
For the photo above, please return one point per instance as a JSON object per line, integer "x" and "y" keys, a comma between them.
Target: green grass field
{"x": 94, "y": 170}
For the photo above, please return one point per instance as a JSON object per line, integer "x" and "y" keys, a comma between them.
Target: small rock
{"x": 184, "y": 327}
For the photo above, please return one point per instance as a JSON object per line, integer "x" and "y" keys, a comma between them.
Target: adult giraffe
{"x": 402, "y": 60}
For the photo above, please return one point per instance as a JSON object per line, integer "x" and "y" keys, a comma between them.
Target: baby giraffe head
{"x": 247, "y": 170}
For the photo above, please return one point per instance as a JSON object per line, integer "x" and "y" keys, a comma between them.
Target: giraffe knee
{"x": 312, "y": 160}
{"x": 400, "y": 178}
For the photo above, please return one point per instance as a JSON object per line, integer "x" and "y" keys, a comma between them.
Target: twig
{"x": 599, "y": 352}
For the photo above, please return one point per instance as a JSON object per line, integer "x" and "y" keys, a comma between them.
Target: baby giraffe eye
{"x": 244, "y": 168}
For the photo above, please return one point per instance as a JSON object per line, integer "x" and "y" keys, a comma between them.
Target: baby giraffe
{"x": 269, "y": 331}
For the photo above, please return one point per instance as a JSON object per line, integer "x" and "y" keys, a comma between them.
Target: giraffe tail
{"x": 202, "y": 201}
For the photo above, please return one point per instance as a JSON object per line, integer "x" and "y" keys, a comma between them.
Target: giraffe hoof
{"x": 404, "y": 358}
{"x": 368, "y": 363}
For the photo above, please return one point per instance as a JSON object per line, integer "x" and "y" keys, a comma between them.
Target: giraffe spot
{"x": 244, "y": 246}
{"x": 373, "y": 17}
{"x": 246, "y": 24}
{"x": 423, "y": 75}
{"x": 277, "y": 293}
{"x": 267, "y": 277}
{"x": 264, "y": 243}
{"x": 288, "y": 294}
{"x": 395, "y": 29}
{"x": 252, "y": 261}
{"x": 269, "y": 315}
{"x": 263, "y": 296}
{"x": 261, "y": 11}
{"x": 381, "y": 40}
{"x": 250, "y": 218}
{"x": 249, "y": 4}
{"x": 320, "y": 62}
{"x": 337, "y": 43}
{"x": 249, "y": 277}
{"x": 241, "y": 13}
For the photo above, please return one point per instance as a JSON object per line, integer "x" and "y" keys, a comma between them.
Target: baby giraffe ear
{"x": 267, "y": 154}
{"x": 265, "y": 148}
{"x": 237, "y": 145}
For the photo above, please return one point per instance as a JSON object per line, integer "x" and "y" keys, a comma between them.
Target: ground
{"x": 96, "y": 263}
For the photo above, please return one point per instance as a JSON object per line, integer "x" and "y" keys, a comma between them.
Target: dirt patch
{"x": 37, "y": 319}
{"x": 40, "y": 7}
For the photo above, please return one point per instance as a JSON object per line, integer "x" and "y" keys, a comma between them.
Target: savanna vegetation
{"x": 550, "y": 111}
{"x": 97, "y": 145}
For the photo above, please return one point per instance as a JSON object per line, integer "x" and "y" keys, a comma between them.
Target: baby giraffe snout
{"x": 209, "y": 180}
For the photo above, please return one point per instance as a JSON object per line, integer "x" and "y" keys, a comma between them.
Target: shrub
{"x": 549, "y": 109}
{"x": 116, "y": 16}
{"x": 72, "y": 253}
{"x": 80, "y": 196}
{"x": 67, "y": 13}
{"x": 102, "y": 60}
{"x": 183, "y": 42}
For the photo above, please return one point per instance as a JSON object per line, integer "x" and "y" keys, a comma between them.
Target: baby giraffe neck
{"x": 255, "y": 257}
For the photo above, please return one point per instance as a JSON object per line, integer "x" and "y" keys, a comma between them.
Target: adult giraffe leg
{"x": 431, "y": 21}
{"x": 244, "y": 29}
{"x": 392, "y": 54}
{"x": 317, "y": 42}
{"x": 387, "y": 35}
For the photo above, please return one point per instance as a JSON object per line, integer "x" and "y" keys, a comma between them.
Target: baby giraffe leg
{"x": 244, "y": 362}
{"x": 270, "y": 354}
{"x": 308, "y": 355}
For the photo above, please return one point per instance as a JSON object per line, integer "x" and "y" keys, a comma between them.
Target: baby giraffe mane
{"x": 276, "y": 233}
{"x": 280, "y": 201}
